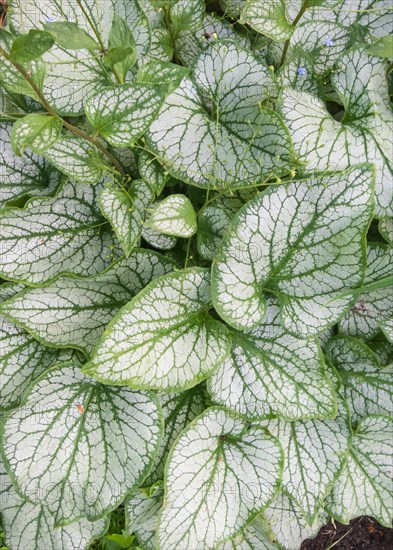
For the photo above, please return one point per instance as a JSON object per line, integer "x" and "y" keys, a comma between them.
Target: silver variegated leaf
{"x": 142, "y": 513}
{"x": 79, "y": 447}
{"x": 49, "y": 237}
{"x": 212, "y": 131}
{"x": 231, "y": 471}
{"x": 302, "y": 241}
{"x": 324, "y": 143}
{"x": 366, "y": 386}
{"x": 21, "y": 176}
{"x": 365, "y": 484}
{"x": 164, "y": 339}
{"x": 315, "y": 452}
{"x": 28, "y": 525}
{"x": 126, "y": 210}
{"x": 73, "y": 312}
{"x": 173, "y": 216}
{"x": 373, "y": 307}
{"x": 272, "y": 373}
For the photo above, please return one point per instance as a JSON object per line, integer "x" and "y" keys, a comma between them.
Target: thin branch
{"x": 304, "y": 7}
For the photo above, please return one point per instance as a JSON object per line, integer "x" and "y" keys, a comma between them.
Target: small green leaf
{"x": 38, "y": 132}
{"x": 164, "y": 339}
{"x": 121, "y": 114}
{"x": 85, "y": 446}
{"x": 174, "y": 216}
{"x": 30, "y": 46}
{"x": 70, "y": 36}
{"x": 382, "y": 48}
{"x": 220, "y": 459}
{"x": 122, "y": 52}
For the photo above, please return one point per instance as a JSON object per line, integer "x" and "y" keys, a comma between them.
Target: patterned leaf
{"x": 79, "y": 447}
{"x": 73, "y": 312}
{"x": 164, "y": 339}
{"x": 39, "y": 132}
{"x": 324, "y": 143}
{"x": 288, "y": 525}
{"x": 142, "y": 516}
{"x": 121, "y": 114}
{"x": 315, "y": 452}
{"x": 30, "y": 174}
{"x": 270, "y": 373}
{"x": 366, "y": 386}
{"x": 126, "y": 211}
{"x": 365, "y": 484}
{"x": 371, "y": 308}
{"x": 28, "y": 525}
{"x": 56, "y": 236}
{"x": 303, "y": 241}
{"x": 212, "y": 132}
{"x": 231, "y": 470}
{"x": 174, "y": 216}
{"x": 269, "y": 19}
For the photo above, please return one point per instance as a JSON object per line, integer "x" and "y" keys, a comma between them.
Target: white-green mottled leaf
{"x": 214, "y": 220}
{"x": 20, "y": 176}
{"x": 231, "y": 471}
{"x": 268, "y": 18}
{"x": 187, "y": 15}
{"x": 121, "y": 114}
{"x": 366, "y": 386}
{"x": 232, "y": 8}
{"x": 314, "y": 454}
{"x": 39, "y": 132}
{"x": 72, "y": 75}
{"x": 142, "y": 516}
{"x": 189, "y": 44}
{"x": 77, "y": 158}
{"x": 371, "y": 308}
{"x": 79, "y": 447}
{"x": 256, "y": 536}
{"x": 158, "y": 240}
{"x": 63, "y": 235}
{"x": 387, "y": 328}
{"x": 178, "y": 411}
{"x": 364, "y": 487}
{"x": 303, "y": 241}
{"x": 324, "y": 143}
{"x": 385, "y": 227}
{"x": 272, "y": 373}
{"x": 151, "y": 171}
{"x": 163, "y": 73}
{"x": 164, "y": 339}
{"x": 212, "y": 131}
{"x": 174, "y": 216}
{"x": 28, "y": 525}
{"x": 73, "y": 312}
{"x": 288, "y": 524}
{"x": 126, "y": 211}
{"x": 375, "y": 15}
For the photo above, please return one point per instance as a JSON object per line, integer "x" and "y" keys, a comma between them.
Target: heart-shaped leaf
{"x": 164, "y": 339}
{"x": 79, "y": 447}
{"x": 174, "y": 216}
{"x": 231, "y": 470}
{"x": 304, "y": 242}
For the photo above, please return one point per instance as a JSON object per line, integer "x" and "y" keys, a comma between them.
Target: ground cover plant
{"x": 196, "y": 303}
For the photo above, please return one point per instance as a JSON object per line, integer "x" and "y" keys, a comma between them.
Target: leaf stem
{"x": 304, "y": 7}
{"x": 93, "y": 27}
{"x": 74, "y": 129}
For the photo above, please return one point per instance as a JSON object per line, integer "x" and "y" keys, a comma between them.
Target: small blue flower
{"x": 329, "y": 42}
{"x": 49, "y": 20}
{"x": 302, "y": 71}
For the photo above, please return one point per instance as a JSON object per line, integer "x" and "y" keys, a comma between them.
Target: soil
{"x": 363, "y": 533}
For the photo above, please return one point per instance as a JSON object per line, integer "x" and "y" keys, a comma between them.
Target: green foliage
{"x": 196, "y": 300}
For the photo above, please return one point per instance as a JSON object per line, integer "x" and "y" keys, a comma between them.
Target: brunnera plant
{"x": 196, "y": 303}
